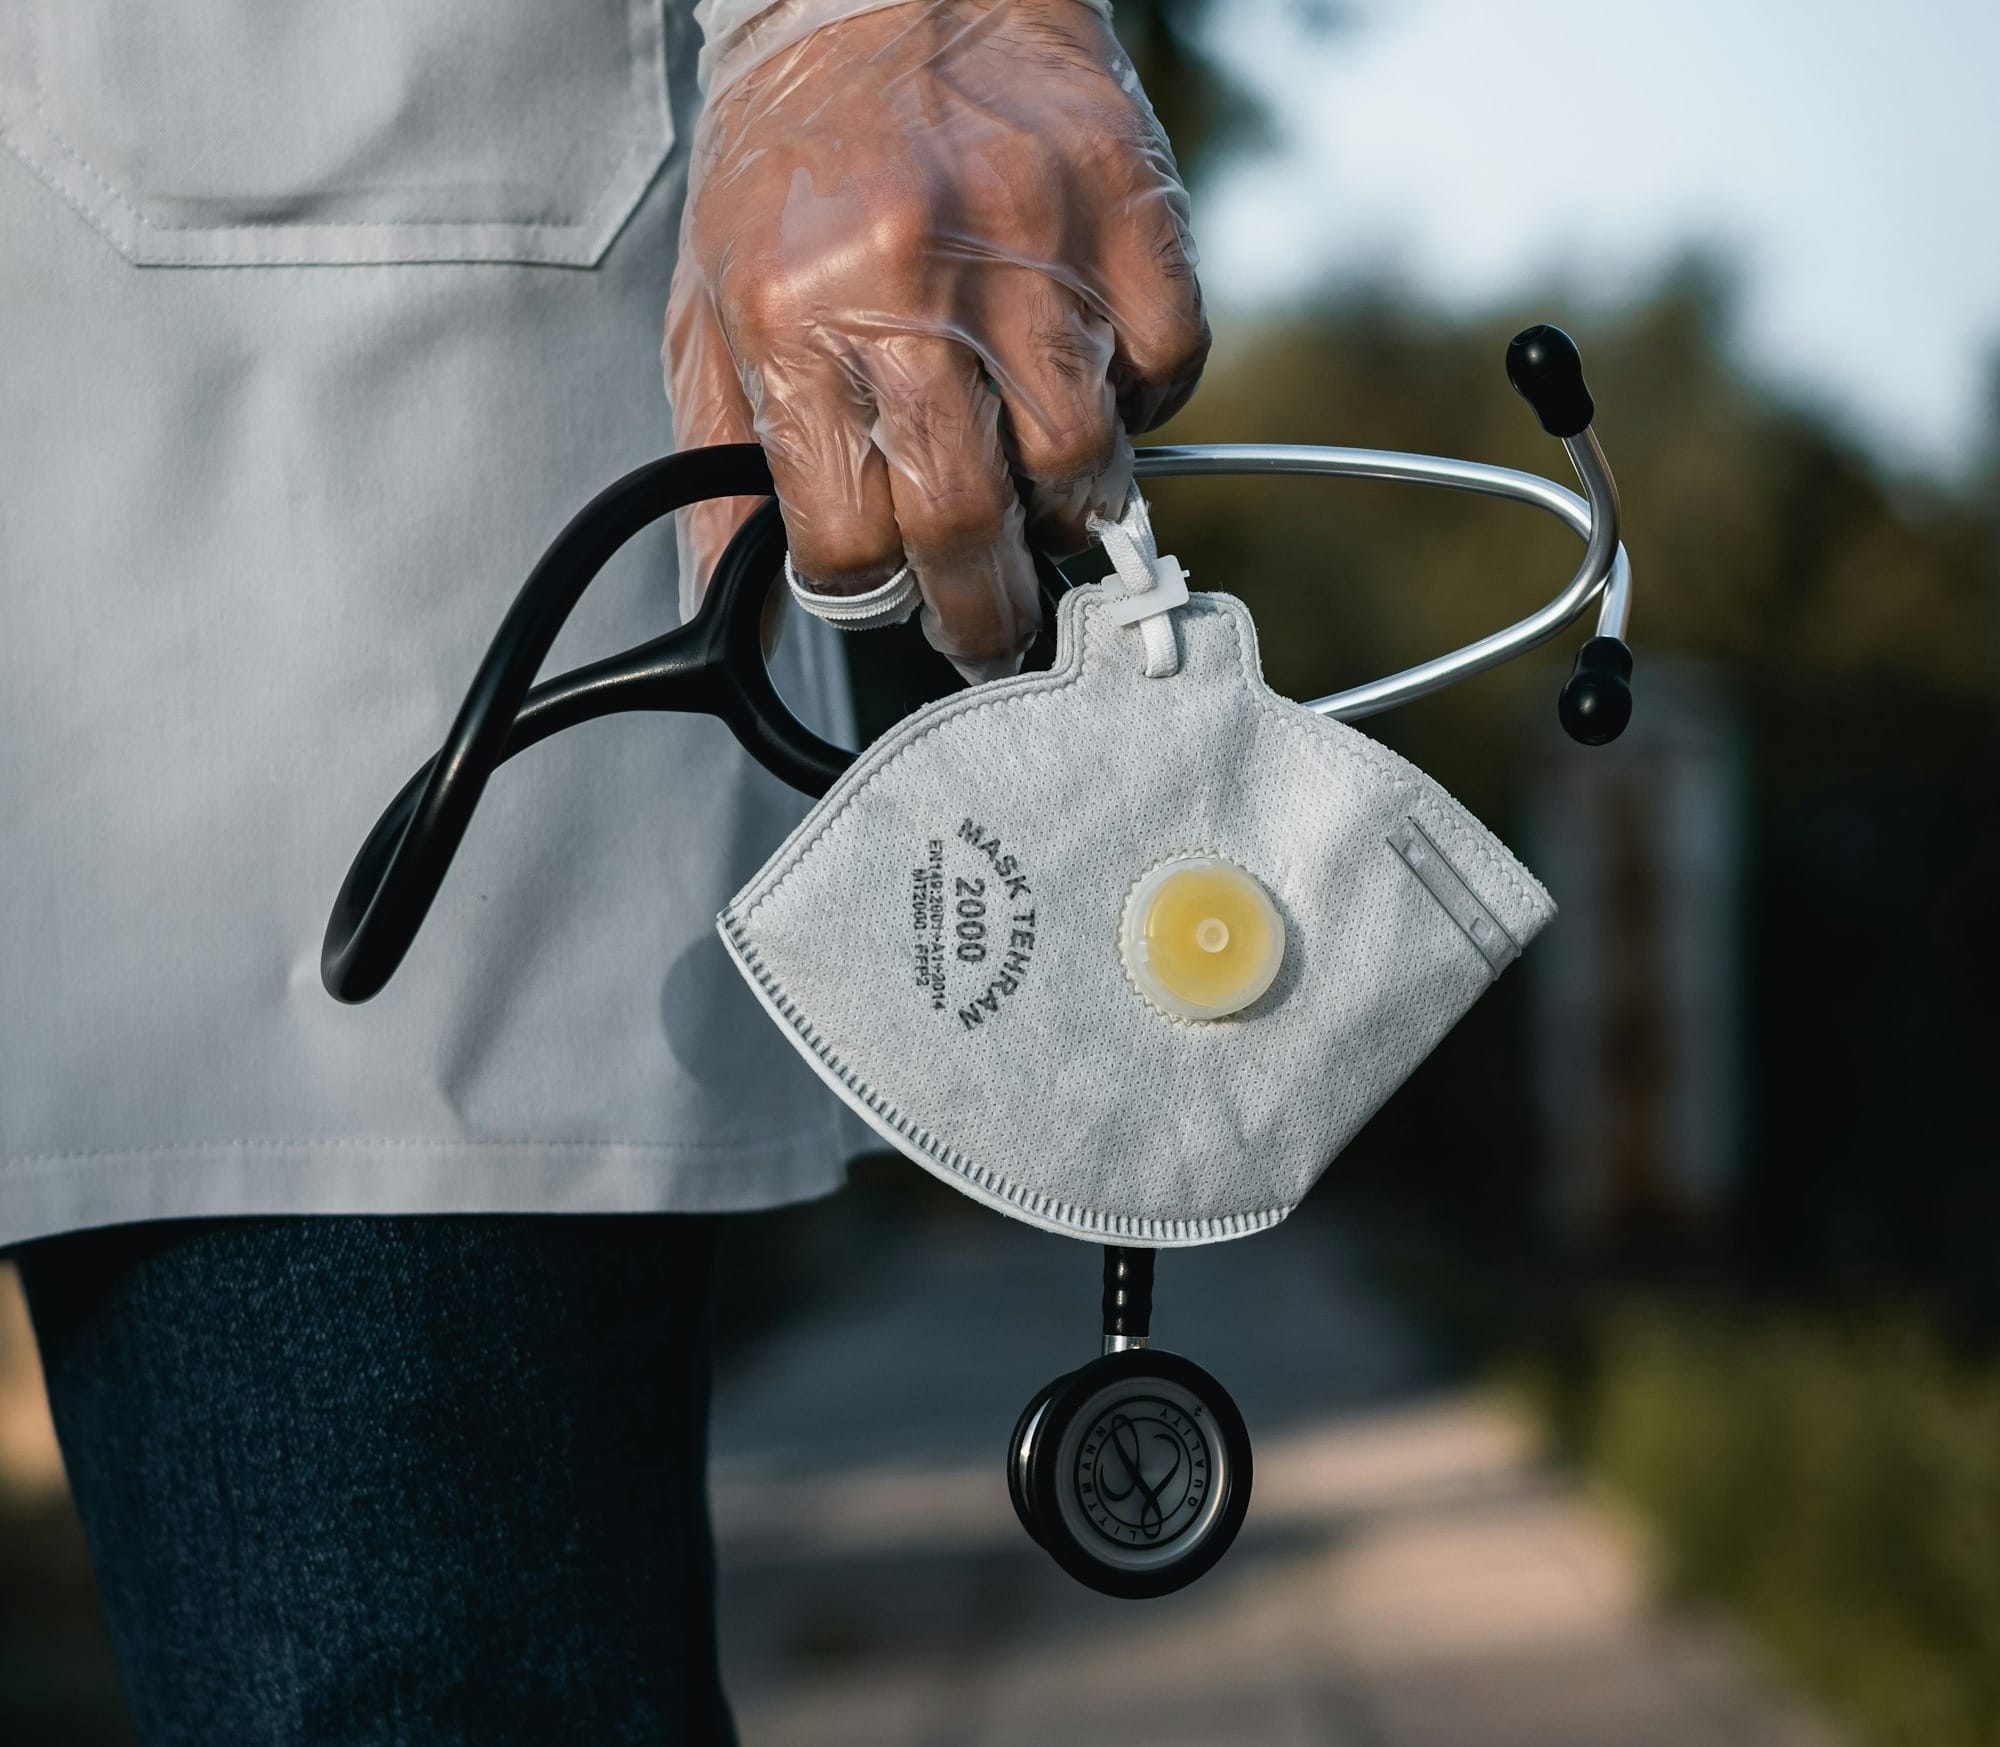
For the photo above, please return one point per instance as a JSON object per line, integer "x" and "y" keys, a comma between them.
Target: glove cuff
{"x": 737, "y": 35}
{"x": 889, "y": 603}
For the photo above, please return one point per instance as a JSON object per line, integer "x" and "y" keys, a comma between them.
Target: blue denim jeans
{"x": 394, "y": 1480}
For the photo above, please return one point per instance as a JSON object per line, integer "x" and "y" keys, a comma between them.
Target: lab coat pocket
{"x": 234, "y": 133}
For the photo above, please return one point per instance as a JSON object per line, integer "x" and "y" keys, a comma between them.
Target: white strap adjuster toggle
{"x": 1169, "y": 590}
{"x": 888, "y": 603}
{"x": 1154, "y": 584}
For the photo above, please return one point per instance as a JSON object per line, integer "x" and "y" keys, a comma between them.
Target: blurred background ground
{"x": 57, "y": 1683}
{"x": 1412, "y": 1573}
{"x": 1642, "y": 1352}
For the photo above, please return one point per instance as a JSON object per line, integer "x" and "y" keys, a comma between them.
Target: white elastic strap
{"x": 1154, "y": 585}
{"x": 889, "y": 603}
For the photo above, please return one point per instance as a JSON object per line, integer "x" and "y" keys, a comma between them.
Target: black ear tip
{"x": 1540, "y": 350}
{"x": 1594, "y": 710}
{"x": 1546, "y": 370}
{"x": 1596, "y": 701}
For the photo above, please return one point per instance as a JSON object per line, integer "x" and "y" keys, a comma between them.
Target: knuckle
{"x": 841, "y": 556}
{"x": 902, "y": 233}
{"x": 1173, "y": 351}
{"x": 762, "y": 310}
{"x": 1062, "y": 456}
{"x": 954, "y": 521}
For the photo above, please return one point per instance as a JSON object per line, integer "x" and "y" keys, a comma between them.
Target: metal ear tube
{"x": 1543, "y": 366}
{"x": 1134, "y": 1470}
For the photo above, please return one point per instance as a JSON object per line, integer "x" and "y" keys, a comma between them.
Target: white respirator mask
{"x": 1129, "y": 949}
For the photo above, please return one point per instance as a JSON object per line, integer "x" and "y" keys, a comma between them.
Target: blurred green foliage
{"x": 1763, "y": 540}
{"x": 1207, "y": 114}
{"x": 1836, "y": 1483}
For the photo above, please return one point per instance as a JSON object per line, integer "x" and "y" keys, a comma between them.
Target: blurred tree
{"x": 1208, "y": 113}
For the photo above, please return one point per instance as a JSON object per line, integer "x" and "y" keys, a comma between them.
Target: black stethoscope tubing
{"x": 713, "y": 665}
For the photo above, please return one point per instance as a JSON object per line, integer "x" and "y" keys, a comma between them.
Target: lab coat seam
{"x": 253, "y": 1143}
{"x": 53, "y": 181}
{"x": 113, "y": 1187}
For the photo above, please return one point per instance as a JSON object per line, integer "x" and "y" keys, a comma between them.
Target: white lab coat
{"x": 318, "y": 322}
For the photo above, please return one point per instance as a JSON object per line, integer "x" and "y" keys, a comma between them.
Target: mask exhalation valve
{"x": 1201, "y": 938}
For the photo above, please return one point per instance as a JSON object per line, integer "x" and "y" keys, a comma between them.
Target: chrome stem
{"x": 1605, "y": 570}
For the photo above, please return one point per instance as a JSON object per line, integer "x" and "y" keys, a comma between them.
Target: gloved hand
{"x": 928, "y": 249}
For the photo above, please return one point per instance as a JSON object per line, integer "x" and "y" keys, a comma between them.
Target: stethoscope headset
{"x": 1132, "y": 1471}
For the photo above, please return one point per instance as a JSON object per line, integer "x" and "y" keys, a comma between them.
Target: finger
{"x": 1152, "y": 298}
{"x": 708, "y": 407}
{"x": 963, "y": 529}
{"x": 813, "y": 420}
{"x": 812, "y": 413}
{"x": 1050, "y": 359}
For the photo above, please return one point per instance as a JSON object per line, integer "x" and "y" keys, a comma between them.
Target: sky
{"x": 1845, "y": 157}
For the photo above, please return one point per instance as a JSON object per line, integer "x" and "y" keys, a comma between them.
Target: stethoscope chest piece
{"x": 1133, "y": 1471}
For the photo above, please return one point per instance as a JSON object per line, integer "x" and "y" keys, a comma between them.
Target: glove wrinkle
{"x": 935, "y": 260}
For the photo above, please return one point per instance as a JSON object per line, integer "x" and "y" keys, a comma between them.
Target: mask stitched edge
{"x": 981, "y": 1183}
{"x": 1325, "y": 739}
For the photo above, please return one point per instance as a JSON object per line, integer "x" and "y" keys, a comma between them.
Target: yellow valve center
{"x": 1201, "y": 938}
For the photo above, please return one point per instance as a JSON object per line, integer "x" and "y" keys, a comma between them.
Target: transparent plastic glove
{"x": 929, "y": 251}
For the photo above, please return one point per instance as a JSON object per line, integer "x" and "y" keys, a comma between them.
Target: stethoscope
{"x": 1133, "y": 1471}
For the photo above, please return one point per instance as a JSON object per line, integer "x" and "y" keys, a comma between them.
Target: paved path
{"x": 1410, "y": 1575}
